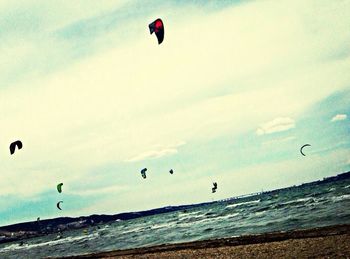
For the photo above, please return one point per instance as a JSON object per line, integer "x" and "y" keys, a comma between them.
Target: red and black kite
{"x": 158, "y": 28}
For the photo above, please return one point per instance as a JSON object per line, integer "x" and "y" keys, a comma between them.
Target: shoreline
{"x": 330, "y": 241}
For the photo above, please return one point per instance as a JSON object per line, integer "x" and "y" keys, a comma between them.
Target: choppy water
{"x": 296, "y": 208}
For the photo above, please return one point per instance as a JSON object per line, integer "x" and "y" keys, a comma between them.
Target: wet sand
{"x": 325, "y": 242}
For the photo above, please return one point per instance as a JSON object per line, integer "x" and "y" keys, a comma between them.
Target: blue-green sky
{"x": 233, "y": 92}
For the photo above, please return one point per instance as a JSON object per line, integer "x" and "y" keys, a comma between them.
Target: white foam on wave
{"x": 13, "y": 247}
{"x": 226, "y": 216}
{"x": 304, "y": 199}
{"x": 242, "y": 203}
{"x": 298, "y": 200}
{"x": 164, "y": 225}
{"x": 258, "y": 213}
{"x": 211, "y": 220}
{"x": 341, "y": 197}
{"x": 186, "y": 214}
{"x": 137, "y": 229}
{"x": 192, "y": 215}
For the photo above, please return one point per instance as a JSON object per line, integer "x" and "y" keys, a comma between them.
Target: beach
{"x": 324, "y": 242}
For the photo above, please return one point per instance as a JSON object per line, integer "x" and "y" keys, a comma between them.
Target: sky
{"x": 232, "y": 93}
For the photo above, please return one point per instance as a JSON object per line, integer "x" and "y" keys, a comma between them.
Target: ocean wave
{"x": 69, "y": 239}
{"x": 137, "y": 229}
{"x": 225, "y": 216}
{"x": 293, "y": 202}
{"x": 300, "y": 200}
{"x": 186, "y": 214}
{"x": 242, "y": 203}
{"x": 259, "y": 213}
{"x": 186, "y": 224}
{"x": 163, "y": 225}
{"x": 261, "y": 209}
{"x": 191, "y": 216}
{"x": 211, "y": 220}
{"x": 340, "y": 198}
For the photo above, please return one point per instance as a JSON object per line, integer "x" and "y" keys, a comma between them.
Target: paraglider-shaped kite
{"x": 215, "y": 186}
{"x": 158, "y": 28}
{"x": 143, "y": 172}
{"x": 58, "y": 205}
{"x": 59, "y": 187}
{"x": 15, "y": 144}
{"x": 171, "y": 171}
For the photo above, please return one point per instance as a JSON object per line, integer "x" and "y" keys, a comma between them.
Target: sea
{"x": 299, "y": 207}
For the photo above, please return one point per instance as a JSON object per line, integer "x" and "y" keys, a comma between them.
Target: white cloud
{"x": 339, "y": 117}
{"x": 276, "y": 125}
{"x": 158, "y": 153}
{"x": 153, "y": 154}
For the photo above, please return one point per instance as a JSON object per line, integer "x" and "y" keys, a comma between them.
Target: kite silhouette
{"x": 143, "y": 172}
{"x": 158, "y": 28}
{"x": 59, "y": 187}
{"x": 301, "y": 149}
{"x": 58, "y": 205}
{"x": 15, "y": 144}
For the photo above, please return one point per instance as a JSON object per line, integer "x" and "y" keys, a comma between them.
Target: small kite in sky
{"x": 301, "y": 149}
{"x": 158, "y": 28}
{"x": 58, "y": 205}
{"x": 143, "y": 172}
{"x": 59, "y": 187}
{"x": 171, "y": 171}
{"x": 15, "y": 144}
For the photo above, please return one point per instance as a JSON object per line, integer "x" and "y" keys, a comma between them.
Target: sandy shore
{"x": 325, "y": 242}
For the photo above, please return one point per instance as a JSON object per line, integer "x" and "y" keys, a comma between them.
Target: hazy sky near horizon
{"x": 233, "y": 92}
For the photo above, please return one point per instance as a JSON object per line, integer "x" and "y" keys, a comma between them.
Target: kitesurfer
{"x": 215, "y": 186}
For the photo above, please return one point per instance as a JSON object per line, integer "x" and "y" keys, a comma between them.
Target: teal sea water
{"x": 294, "y": 208}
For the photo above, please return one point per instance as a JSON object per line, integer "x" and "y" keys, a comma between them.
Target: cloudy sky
{"x": 233, "y": 92}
